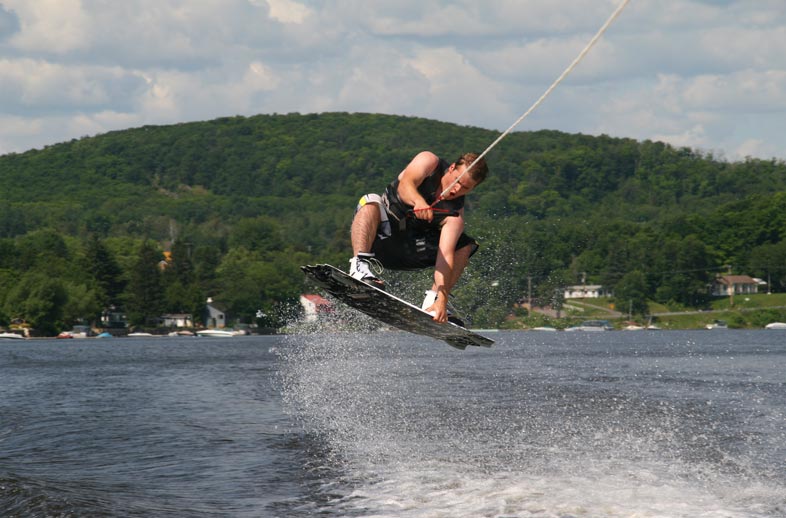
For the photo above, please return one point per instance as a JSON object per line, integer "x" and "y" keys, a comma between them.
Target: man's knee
{"x": 368, "y": 213}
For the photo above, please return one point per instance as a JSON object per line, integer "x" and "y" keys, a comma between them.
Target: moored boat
{"x": 592, "y": 325}
{"x": 718, "y": 324}
{"x": 216, "y": 333}
{"x": 776, "y": 325}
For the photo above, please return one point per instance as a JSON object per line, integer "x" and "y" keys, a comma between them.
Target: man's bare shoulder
{"x": 427, "y": 156}
{"x": 422, "y": 165}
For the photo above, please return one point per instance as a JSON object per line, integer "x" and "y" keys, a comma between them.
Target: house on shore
{"x": 177, "y": 320}
{"x": 586, "y": 291}
{"x": 728, "y": 285}
{"x": 215, "y": 315}
{"x": 314, "y": 306}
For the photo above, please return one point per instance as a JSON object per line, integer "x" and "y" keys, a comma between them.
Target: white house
{"x": 586, "y": 291}
{"x": 727, "y": 285}
{"x": 177, "y": 320}
{"x": 313, "y": 306}
{"x": 215, "y": 316}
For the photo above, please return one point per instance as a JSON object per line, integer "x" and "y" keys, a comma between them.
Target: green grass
{"x": 748, "y": 312}
{"x": 759, "y": 300}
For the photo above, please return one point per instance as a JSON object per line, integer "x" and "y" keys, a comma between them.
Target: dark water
{"x": 628, "y": 424}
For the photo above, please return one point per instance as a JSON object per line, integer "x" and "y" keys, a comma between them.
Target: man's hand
{"x": 439, "y": 309}
{"x": 423, "y": 210}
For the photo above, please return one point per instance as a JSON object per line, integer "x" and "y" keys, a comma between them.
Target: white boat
{"x": 592, "y": 325}
{"x": 544, "y": 328}
{"x": 718, "y": 324}
{"x": 182, "y": 332}
{"x": 776, "y": 325}
{"x": 11, "y": 336}
{"x": 216, "y": 333}
{"x": 79, "y": 331}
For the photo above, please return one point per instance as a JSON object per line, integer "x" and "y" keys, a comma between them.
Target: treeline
{"x": 240, "y": 202}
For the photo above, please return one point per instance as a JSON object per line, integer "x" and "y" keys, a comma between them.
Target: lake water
{"x": 616, "y": 424}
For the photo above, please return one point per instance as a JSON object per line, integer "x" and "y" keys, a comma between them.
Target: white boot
{"x": 362, "y": 267}
{"x": 431, "y": 298}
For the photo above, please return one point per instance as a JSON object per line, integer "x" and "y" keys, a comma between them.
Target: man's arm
{"x": 445, "y": 274}
{"x": 410, "y": 179}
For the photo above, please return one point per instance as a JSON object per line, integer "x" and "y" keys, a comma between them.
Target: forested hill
{"x": 555, "y": 206}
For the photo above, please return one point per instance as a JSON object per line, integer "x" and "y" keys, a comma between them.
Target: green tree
{"x": 104, "y": 269}
{"x": 685, "y": 271}
{"x": 38, "y": 300}
{"x": 262, "y": 234}
{"x": 83, "y": 304}
{"x": 631, "y": 293}
{"x": 768, "y": 261}
{"x": 144, "y": 294}
{"x": 44, "y": 250}
{"x": 248, "y": 282}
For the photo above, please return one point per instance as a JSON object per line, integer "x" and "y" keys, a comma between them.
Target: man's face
{"x": 464, "y": 185}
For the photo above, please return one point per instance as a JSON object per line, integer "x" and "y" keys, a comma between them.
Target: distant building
{"x": 177, "y": 320}
{"x": 586, "y": 291}
{"x": 215, "y": 315}
{"x": 113, "y": 317}
{"x": 314, "y": 305}
{"x": 727, "y": 285}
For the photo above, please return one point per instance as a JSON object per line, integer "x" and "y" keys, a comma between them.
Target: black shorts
{"x": 414, "y": 248}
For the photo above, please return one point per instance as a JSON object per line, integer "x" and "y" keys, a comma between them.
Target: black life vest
{"x": 430, "y": 189}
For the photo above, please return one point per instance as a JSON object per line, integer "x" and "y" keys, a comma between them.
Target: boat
{"x": 183, "y": 332}
{"x": 11, "y": 336}
{"x": 139, "y": 334}
{"x": 65, "y": 334}
{"x": 544, "y": 328}
{"x": 633, "y": 327}
{"x": 718, "y": 324}
{"x": 216, "y": 333}
{"x": 592, "y": 325}
{"x": 776, "y": 325}
{"x": 81, "y": 331}
{"x": 104, "y": 335}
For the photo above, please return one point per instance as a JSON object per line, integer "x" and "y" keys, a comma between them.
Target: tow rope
{"x": 542, "y": 97}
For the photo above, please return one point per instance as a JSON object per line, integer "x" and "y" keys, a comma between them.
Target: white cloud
{"x": 287, "y": 11}
{"x": 753, "y": 147}
{"x": 692, "y": 72}
{"x": 51, "y": 26}
{"x": 38, "y": 86}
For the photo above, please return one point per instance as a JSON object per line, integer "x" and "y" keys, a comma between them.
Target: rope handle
{"x": 448, "y": 212}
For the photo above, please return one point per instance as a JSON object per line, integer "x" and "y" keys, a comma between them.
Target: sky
{"x": 710, "y": 75}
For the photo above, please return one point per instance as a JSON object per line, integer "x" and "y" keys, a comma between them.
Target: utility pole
{"x": 731, "y": 289}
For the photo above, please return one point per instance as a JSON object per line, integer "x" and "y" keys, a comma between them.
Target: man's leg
{"x": 363, "y": 233}
{"x": 364, "y": 228}
{"x": 460, "y": 261}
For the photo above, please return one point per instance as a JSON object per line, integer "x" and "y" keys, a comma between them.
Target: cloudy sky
{"x": 709, "y": 74}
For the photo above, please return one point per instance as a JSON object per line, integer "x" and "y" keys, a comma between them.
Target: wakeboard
{"x": 387, "y": 308}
